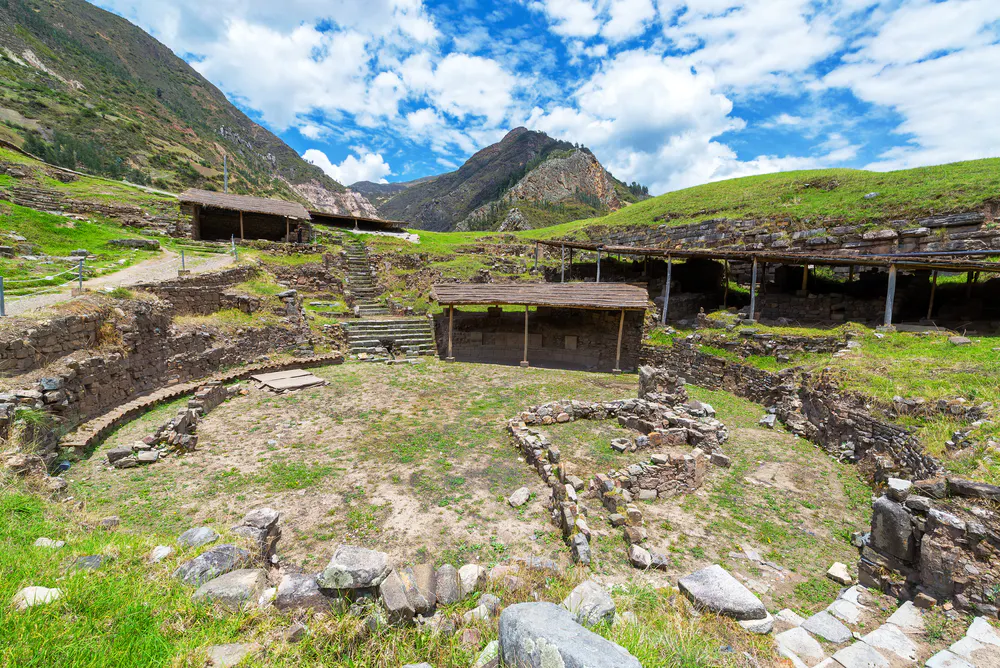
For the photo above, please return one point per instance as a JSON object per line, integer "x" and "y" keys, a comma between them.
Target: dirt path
{"x": 160, "y": 268}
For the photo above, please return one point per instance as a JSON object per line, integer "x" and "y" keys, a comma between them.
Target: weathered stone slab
{"x": 888, "y": 639}
{"x": 827, "y": 627}
{"x": 861, "y": 655}
{"x": 355, "y": 568}
{"x": 210, "y": 565}
{"x": 544, "y": 635}
{"x": 300, "y": 591}
{"x": 234, "y": 589}
{"x": 197, "y": 537}
{"x": 591, "y": 604}
{"x": 907, "y": 618}
{"x": 798, "y": 643}
{"x": 714, "y": 589}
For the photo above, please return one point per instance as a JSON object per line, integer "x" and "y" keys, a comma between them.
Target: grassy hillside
{"x": 86, "y": 89}
{"x": 815, "y": 198}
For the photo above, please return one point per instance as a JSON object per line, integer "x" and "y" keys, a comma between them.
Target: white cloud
{"x": 628, "y": 18}
{"x": 463, "y": 85}
{"x": 571, "y": 18}
{"x": 369, "y": 167}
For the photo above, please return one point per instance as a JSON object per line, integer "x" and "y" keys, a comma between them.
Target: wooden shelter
{"x": 613, "y": 315}
{"x": 216, "y": 216}
{"x": 359, "y": 223}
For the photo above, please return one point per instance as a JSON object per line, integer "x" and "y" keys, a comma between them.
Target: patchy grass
{"x": 229, "y": 319}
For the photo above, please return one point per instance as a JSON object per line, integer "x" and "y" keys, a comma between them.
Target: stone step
{"x": 396, "y": 341}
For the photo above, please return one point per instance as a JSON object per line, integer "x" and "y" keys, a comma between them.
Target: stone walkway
{"x": 826, "y": 640}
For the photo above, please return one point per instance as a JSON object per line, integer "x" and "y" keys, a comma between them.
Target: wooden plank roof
{"x": 558, "y": 295}
{"x": 245, "y": 203}
{"x": 318, "y": 217}
{"x": 902, "y": 261}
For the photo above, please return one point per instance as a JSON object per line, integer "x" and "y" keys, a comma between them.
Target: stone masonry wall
{"x": 23, "y": 350}
{"x": 812, "y": 407}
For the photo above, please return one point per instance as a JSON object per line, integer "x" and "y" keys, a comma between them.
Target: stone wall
{"x": 202, "y": 294}
{"x": 564, "y": 338}
{"x": 676, "y": 473}
{"x": 24, "y": 349}
{"x": 811, "y": 406}
{"x": 939, "y": 538}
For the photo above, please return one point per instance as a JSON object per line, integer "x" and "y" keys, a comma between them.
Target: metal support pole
{"x": 666, "y": 291}
{"x": 524, "y": 362}
{"x": 598, "y": 265}
{"x": 241, "y": 226}
{"x": 753, "y": 290}
{"x": 3, "y": 309}
{"x": 930, "y": 305}
{"x": 536, "y": 256}
{"x": 81, "y": 274}
{"x": 890, "y": 295}
{"x": 562, "y": 276}
{"x": 451, "y": 328}
{"x": 182, "y": 259}
{"x": 618, "y": 353}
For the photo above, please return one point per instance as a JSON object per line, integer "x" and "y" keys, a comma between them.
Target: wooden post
{"x": 562, "y": 253}
{"x": 241, "y": 226}
{"x": 196, "y": 223}
{"x": 850, "y": 276}
{"x": 725, "y": 288}
{"x": 288, "y": 228}
{"x": 451, "y": 328}
{"x": 598, "y": 265}
{"x": 618, "y": 354}
{"x": 524, "y": 362}
{"x": 666, "y": 292}
{"x": 890, "y": 295}
{"x": 536, "y": 256}
{"x": 930, "y": 305}
{"x": 753, "y": 290}
{"x": 805, "y": 278}
{"x": 970, "y": 281}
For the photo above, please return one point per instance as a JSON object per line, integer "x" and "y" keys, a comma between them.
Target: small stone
{"x": 898, "y": 489}
{"x": 714, "y": 589}
{"x": 923, "y": 601}
{"x": 519, "y": 497}
{"x": 227, "y": 656}
{"x": 355, "y": 568}
{"x": 489, "y": 657}
{"x": 947, "y": 659}
{"x": 109, "y": 522}
{"x": 861, "y": 655}
{"x": 838, "y": 573}
{"x": 908, "y": 618}
{"x": 300, "y": 591}
{"x": 721, "y": 460}
{"x": 29, "y": 597}
{"x": 233, "y": 590}
{"x": 639, "y": 557}
{"x": 49, "y": 543}
{"x": 799, "y": 644}
{"x": 617, "y": 520}
{"x": 580, "y": 549}
{"x": 448, "y": 587}
{"x": 471, "y": 576}
{"x": 769, "y": 421}
{"x": 959, "y": 341}
{"x": 758, "y": 626}
{"x": 197, "y": 537}
{"x": 394, "y": 599}
{"x": 159, "y": 553}
{"x": 790, "y": 617}
{"x": 89, "y": 563}
{"x": 150, "y": 457}
{"x": 591, "y": 604}
{"x": 982, "y": 631}
{"x": 211, "y": 564}
{"x": 294, "y": 633}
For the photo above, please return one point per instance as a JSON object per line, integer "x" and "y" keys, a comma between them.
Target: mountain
{"x": 83, "y": 88}
{"x": 546, "y": 180}
{"x": 378, "y": 193}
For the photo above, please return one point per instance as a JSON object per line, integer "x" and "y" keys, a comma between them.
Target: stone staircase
{"x": 361, "y": 282}
{"x": 408, "y": 336}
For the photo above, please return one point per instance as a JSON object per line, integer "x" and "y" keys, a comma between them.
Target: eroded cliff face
{"x": 559, "y": 179}
{"x": 348, "y": 202}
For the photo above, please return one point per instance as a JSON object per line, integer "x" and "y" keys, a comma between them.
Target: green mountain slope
{"x": 86, "y": 89}
{"x": 549, "y": 181}
{"x": 816, "y": 198}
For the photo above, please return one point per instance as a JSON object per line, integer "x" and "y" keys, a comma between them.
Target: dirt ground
{"x": 415, "y": 460}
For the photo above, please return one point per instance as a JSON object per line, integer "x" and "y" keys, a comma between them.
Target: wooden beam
{"x": 753, "y": 291}
{"x": 618, "y": 353}
{"x": 666, "y": 292}
{"x": 805, "y": 278}
{"x": 196, "y": 223}
{"x": 930, "y": 305}
{"x": 288, "y": 228}
{"x": 451, "y": 328}
{"x": 241, "y": 227}
{"x": 890, "y": 296}
{"x": 524, "y": 362}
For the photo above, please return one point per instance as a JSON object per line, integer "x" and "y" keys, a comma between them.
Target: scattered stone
{"x": 580, "y": 549}
{"x": 714, "y": 589}
{"x": 197, "y": 537}
{"x": 159, "y": 553}
{"x": 639, "y": 556}
{"x": 898, "y": 489}
{"x": 947, "y": 659}
{"x": 448, "y": 587}
{"x": 907, "y": 618}
{"x": 29, "y": 597}
{"x": 537, "y": 635}
{"x": 827, "y": 627}
{"x": 959, "y": 341}
{"x": 417, "y": 665}
{"x": 982, "y": 631}
{"x": 489, "y": 657}
{"x": 49, "y": 543}
{"x": 260, "y": 527}
{"x": 394, "y": 599}
{"x": 591, "y": 604}
{"x": 924, "y": 602}
{"x": 294, "y": 633}
{"x": 300, "y": 591}
{"x": 211, "y": 564}
{"x": 720, "y": 460}
{"x": 838, "y": 573}
{"x": 471, "y": 576}
{"x": 425, "y": 580}
{"x": 226, "y": 656}
{"x": 860, "y": 655}
{"x": 355, "y": 568}
{"x": 799, "y": 644}
{"x": 89, "y": 563}
{"x": 790, "y": 617}
{"x": 115, "y": 455}
{"x": 109, "y": 522}
{"x": 891, "y": 530}
{"x": 769, "y": 421}
{"x": 891, "y": 640}
{"x": 758, "y": 626}
{"x": 519, "y": 497}
{"x": 233, "y": 589}
{"x": 148, "y": 457}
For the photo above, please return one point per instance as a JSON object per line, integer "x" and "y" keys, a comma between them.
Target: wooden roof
{"x": 245, "y": 203}
{"x": 318, "y": 217}
{"x": 558, "y": 295}
{"x": 904, "y": 261}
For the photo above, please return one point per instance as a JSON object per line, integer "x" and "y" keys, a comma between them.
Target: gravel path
{"x": 155, "y": 269}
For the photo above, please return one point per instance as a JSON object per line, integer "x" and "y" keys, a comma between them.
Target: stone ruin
{"x": 176, "y": 436}
{"x": 935, "y": 540}
{"x": 662, "y": 416}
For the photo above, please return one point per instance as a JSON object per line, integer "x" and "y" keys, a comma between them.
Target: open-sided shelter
{"x": 591, "y": 326}
{"x": 360, "y": 223}
{"x": 216, "y": 216}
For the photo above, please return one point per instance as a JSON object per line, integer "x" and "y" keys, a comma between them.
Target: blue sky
{"x": 670, "y": 93}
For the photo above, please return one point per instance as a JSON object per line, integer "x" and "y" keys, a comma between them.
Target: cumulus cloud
{"x": 366, "y": 167}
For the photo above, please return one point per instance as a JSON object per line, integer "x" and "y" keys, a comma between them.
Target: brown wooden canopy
{"x": 557, "y": 295}
{"x": 245, "y": 203}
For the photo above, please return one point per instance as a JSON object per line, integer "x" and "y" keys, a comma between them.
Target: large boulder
{"x": 537, "y": 635}
{"x": 397, "y": 604}
{"x": 355, "y": 568}
{"x": 300, "y": 591}
{"x": 591, "y": 604}
{"x": 714, "y": 589}
{"x": 892, "y": 532}
{"x": 234, "y": 589}
{"x": 210, "y": 565}
{"x": 448, "y": 586}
